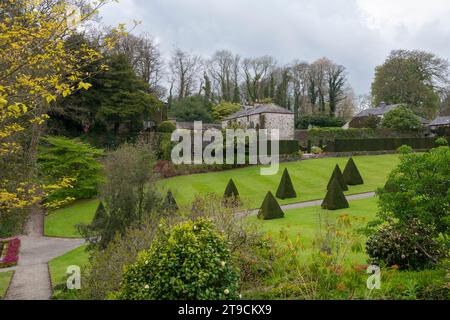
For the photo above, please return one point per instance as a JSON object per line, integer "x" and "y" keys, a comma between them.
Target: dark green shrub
{"x": 100, "y": 217}
{"x": 286, "y": 188}
{"x": 391, "y": 186}
{"x": 319, "y": 121}
{"x": 418, "y": 188}
{"x": 337, "y": 173}
{"x": 409, "y": 246}
{"x": 380, "y": 144}
{"x": 104, "y": 273}
{"x": 129, "y": 193}
{"x": 251, "y": 248}
{"x": 442, "y": 142}
{"x": 189, "y": 261}
{"x": 169, "y": 204}
{"x": 166, "y": 127}
{"x": 351, "y": 174}
{"x": 270, "y": 209}
{"x": 401, "y": 119}
{"x": 335, "y": 198}
{"x": 61, "y": 158}
{"x": 231, "y": 191}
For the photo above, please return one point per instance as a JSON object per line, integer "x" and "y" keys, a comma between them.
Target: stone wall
{"x": 282, "y": 122}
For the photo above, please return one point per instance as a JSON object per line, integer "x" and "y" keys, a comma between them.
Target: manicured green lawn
{"x": 301, "y": 226}
{"x": 58, "y": 266}
{"x": 309, "y": 177}
{"x": 5, "y": 278}
{"x": 62, "y": 222}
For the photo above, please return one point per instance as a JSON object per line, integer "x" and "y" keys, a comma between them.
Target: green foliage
{"x": 335, "y": 198}
{"x": 115, "y": 107}
{"x": 166, "y": 127}
{"x": 104, "y": 273}
{"x": 421, "y": 190}
{"x": 231, "y": 190}
{"x": 401, "y": 119}
{"x": 100, "y": 216}
{"x": 189, "y": 261}
{"x": 305, "y": 122}
{"x": 193, "y": 108}
{"x": 316, "y": 150}
{"x": 286, "y": 188}
{"x": 441, "y": 142}
{"x": 409, "y": 246}
{"x": 224, "y": 109}
{"x": 251, "y": 249}
{"x": 169, "y": 204}
{"x": 408, "y": 77}
{"x": 337, "y": 174}
{"x": 13, "y": 222}
{"x": 379, "y": 144}
{"x": 351, "y": 174}
{"x": 60, "y": 158}
{"x": 270, "y": 209}
{"x": 128, "y": 194}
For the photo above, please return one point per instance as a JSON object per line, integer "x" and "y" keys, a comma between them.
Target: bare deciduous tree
{"x": 185, "y": 70}
{"x": 255, "y": 72}
{"x": 145, "y": 57}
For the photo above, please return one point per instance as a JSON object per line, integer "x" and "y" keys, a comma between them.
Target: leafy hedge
{"x": 285, "y": 147}
{"x": 378, "y": 144}
{"x": 317, "y": 135}
{"x": 319, "y": 121}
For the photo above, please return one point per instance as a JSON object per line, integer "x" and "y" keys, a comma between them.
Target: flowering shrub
{"x": 10, "y": 257}
{"x": 408, "y": 246}
{"x": 190, "y": 261}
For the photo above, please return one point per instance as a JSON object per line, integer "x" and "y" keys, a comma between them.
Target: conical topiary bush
{"x": 170, "y": 205}
{"x": 231, "y": 191}
{"x": 351, "y": 174}
{"x": 286, "y": 188}
{"x": 337, "y": 173}
{"x": 101, "y": 216}
{"x": 270, "y": 209}
{"x": 335, "y": 198}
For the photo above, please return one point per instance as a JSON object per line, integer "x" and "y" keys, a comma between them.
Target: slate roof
{"x": 378, "y": 111}
{"x": 441, "y": 121}
{"x": 258, "y": 109}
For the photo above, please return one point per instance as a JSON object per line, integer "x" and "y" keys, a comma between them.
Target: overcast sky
{"x": 358, "y": 34}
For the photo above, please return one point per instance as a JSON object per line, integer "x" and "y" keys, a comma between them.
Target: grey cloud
{"x": 285, "y": 29}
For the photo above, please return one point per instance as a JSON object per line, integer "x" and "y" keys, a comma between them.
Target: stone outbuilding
{"x": 440, "y": 125}
{"x": 264, "y": 116}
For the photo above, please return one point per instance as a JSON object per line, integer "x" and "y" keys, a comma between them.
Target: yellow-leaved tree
{"x": 37, "y": 67}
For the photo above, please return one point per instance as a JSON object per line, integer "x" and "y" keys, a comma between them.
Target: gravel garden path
{"x": 314, "y": 203}
{"x": 31, "y": 280}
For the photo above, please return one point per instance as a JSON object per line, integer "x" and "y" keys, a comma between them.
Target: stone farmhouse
{"x": 264, "y": 116}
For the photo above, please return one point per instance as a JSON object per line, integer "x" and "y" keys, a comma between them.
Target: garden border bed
{"x": 9, "y": 255}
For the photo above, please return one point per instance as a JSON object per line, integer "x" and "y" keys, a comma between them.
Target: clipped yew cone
{"x": 351, "y": 174}
{"x": 270, "y": 209}
{"x": 170, "y": 204}
{"x": 337, "y": 173}
{"x": 335, "y": 198}
{"x": 286, "y": 188}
